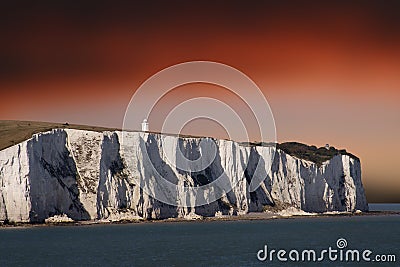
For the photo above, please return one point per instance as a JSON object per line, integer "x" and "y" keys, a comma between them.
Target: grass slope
{"x": 14, "y": 132}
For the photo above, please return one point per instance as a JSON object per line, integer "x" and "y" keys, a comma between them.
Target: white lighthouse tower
{"x": 145, "y": 126}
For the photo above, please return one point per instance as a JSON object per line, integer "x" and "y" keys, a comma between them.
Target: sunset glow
{"x": 330, "y": 72}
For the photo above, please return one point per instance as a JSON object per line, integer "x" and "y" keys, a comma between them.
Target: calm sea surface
{"x": 384, "y": 207}
{"x": 217, "y": 243}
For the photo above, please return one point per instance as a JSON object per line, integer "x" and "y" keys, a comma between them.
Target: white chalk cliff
{"x": 84, "y": 175}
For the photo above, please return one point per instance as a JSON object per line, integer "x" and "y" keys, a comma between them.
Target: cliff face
{"x": 85, "y": 175}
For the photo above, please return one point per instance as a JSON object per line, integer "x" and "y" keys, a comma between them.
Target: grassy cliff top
{"x": 312, "y": 153}
{"x": 14, "y": 132}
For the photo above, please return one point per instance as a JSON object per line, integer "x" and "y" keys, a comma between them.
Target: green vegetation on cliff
{"x": 312, "y": 153}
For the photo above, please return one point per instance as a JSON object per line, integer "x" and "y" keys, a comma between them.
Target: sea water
{"x": 213, "y": 243}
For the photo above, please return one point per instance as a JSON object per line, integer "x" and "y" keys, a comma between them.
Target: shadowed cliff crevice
{"x": 254, "y": 168}
{"x": 113, "y": 178}
{"x": 162, "y": 170}
{"x": 53, "y": 179}
{"x": 191, "y": 150}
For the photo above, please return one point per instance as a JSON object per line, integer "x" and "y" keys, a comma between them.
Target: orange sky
{"x": 329, "y": 71}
